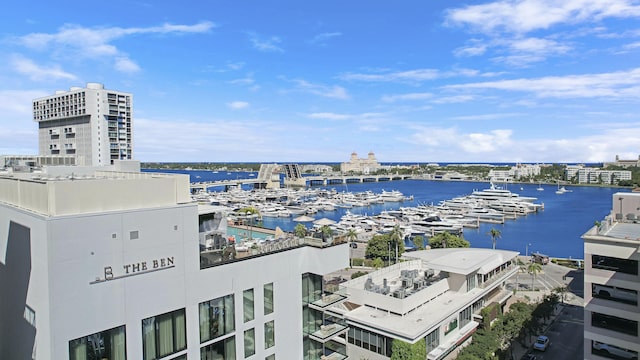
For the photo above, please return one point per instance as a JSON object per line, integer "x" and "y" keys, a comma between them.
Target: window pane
{"x": 221, "y": 350}
{"x": 249, "y": 342}
{"x": 164, "y": 334}
{"x": 269, "y": 334}
{"x": 268, "y": 298}
{"x": 109, "y": 344}
{"x": 216, "y": 318}
{"x": 248, "y": 308}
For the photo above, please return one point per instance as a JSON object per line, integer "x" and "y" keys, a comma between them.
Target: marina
{"x": 556, "y": 230}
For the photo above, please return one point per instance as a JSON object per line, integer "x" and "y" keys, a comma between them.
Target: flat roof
{"x": 463, "y": 260}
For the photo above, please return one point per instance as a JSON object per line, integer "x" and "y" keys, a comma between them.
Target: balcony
{"x": 327, "y": 332}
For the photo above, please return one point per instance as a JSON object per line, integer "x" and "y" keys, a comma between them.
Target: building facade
{"x": 93, "y": 124}
{"x": 123, "y": 265}
{"x": 612, "y": 282}
{"x": 361, "y": 166}
{"x": 435, "y": 296}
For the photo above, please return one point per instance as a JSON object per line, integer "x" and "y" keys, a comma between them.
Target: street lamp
{"x": 526, "y": 250}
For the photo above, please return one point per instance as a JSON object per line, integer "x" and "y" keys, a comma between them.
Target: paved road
{"x": 566, "y": 335}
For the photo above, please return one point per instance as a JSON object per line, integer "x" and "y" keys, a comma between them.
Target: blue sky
{"x": 314, "y": 81}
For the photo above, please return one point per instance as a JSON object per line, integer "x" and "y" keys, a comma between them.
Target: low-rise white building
{"x": 435, "y": 296}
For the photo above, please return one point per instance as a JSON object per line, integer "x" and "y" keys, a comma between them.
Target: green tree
{"x": 300, "y": 231}
{"x": 395, "y": 237}
{"x": 352, "y": 235}
{"x": 377, "y": 263}
{"x": 381, "y": 246}
{"x": 418, "y": 242}
{"x": 495, "y": 235}
{"x": 401, "y": 350}
{"x": 447, "y": 240}
{"x": 326, "y": 232}
{"x": 534, "y": 268}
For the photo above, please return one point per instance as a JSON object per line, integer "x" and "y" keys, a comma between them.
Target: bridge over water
{"x": 269, "y": 177}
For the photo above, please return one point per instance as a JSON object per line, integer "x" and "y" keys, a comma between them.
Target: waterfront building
{"x": 612, "y": 282}
{"x": 625, "y": 163}
{"x": 361, "y": 166}
{"x": 516, "y": 172}
{"x": 598, "y": 176}
{"x": 111, "y": 264}
{"x": 92, "y": 123}
{"x": 435, "y": 296}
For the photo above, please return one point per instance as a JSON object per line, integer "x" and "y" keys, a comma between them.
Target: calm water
{"x": 555, "y": 231}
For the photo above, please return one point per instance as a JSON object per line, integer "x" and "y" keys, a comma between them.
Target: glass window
{"x": 268, "y": 298}
{"x": 109, "y": 344}
{"x": 221, "y": 350}
{"x": 626, "y": 266}
{"x": 217, "y": 318}
{"x": 433, "y": 340}
{"x": 164, "y": 334}
{"x": 249, "y": 342}
{"x": 247, "y": 305}
{"x": 311, "y": 287}
{"x": 614, "y": 323}
{"x": 271, "y": 357}
{"x": 269, "y": 334}
{"x": 613, "y": 293}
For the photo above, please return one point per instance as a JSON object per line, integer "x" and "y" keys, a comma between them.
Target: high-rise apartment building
{"x": 92, "y": 123}
{"x": 612, "y": 282}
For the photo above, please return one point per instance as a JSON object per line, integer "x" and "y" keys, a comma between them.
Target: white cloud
{"x": 453, "y": 99}
{"x": 77, "y": 42}
{"x": 126, "y": 65}
{"x": 334, "y": 92}
{"x": 417, "y": 75}
{"x": 411, "y": 96}
{"x": 322, "y": 38}
{"x": 522, "y": 16}
{"x": 622, "y": 84}
{"x": 270, "y": 44}
{"x": 19, "y": 101}
{"x": 237, "y": 105}
{"x": 487, "y": 116}
{"x": 329, "y": 116}
{"x": 39, "y": 73}
{"x": 471, "y": 50}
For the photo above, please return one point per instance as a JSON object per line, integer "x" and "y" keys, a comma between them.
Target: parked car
{"x": 542, "y": 343}
{"x": 530, "y": 356}
{"x": 614, "y": 350}
{"x": 353, "y": 245}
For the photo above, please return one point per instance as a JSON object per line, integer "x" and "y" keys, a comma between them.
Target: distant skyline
{"x": 549, "y": 81}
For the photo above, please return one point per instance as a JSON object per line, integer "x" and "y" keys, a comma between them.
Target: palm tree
{"x": 326, "y": 232}
{"x": 395, "y": 237}
{"x": 300, "y": 230}
{"x": 534, "y": 268}
{"x": 351, "y": 236}
{"x": 495, "y": 235}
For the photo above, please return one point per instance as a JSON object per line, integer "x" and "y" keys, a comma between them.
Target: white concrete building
{"x": 435, "y": 296}
{"x": 598, "y": 176}
{"x": 109, "y": 265}
{"x": 93, "y": 124}
{"x": 612, "y": 282}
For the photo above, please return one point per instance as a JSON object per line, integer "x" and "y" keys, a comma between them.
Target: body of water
{"x": 556, "y": 231}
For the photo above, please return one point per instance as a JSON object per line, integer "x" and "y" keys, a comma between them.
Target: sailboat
{"x": 561, "y": 189}
{"x": 540, "y": 188}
